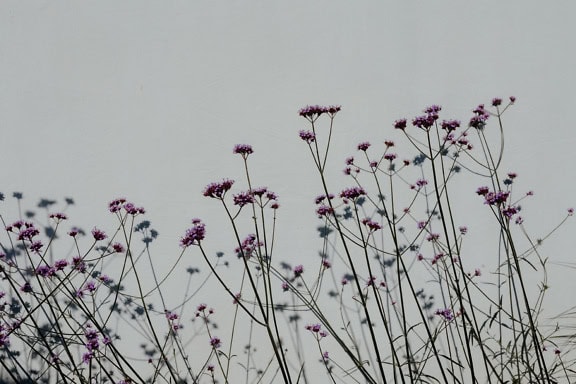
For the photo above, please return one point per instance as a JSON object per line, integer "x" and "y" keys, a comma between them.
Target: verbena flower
{"x": 193, "y": 235}
{"x": 243, "y": 149}
{"x": 218, "y": 190}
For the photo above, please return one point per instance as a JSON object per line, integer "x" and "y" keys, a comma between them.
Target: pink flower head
{"x": 308, "y": 136}
{"x": 193, "y": 235}
{"x": 400, "y": 124}
{"x": 243, "y": 149}
{"x": 218, "y": 190}
{"x": 363, "y": 146}
{"x": 298, "y": 270}
{"x": 352, "y": 193}
{"x": 98, "y": 234}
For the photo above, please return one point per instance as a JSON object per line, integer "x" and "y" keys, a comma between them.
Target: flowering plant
{"x": 396, "y": 295}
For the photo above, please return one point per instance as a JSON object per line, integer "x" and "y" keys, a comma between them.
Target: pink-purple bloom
{"x": 243, "y": 149}
{"x": 193, "y": 235}
{"x": 217, "y": 190}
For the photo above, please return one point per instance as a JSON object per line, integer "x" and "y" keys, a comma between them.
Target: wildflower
{"x": 321, "y": 198}
{"x": 215, "y": 342}
{"x": 389, "y": 143}
{"x": 482, "y": 191}
{"x": 509, "y": 211}
{"x": 298, "y": 270}
{"x": 58, "y": 217}
{"x": 496, "y": 198}
{"x": 324, "y": 210}
{"x": 570, "y": 211}
{"x": 450, "y": 125}
{"x": 445, "y": 313}
{"x": 372, "y": 225}
{"x": 59, "y": 265}
{"x": 73, "y": 232}
{"x": 131, "y": 209}
{"x": 400, "y": 124}
{"x": 248, "y": 247}
{"x": 194, "y": 235}
{"x": 312, "y": 112}
{"x": 326, "y": 264}
{"x": 243, "y": 198}
{"x": 433, "y": 237}
{"x": 36, "y": 246}
{"x": 363, "y": 146}
{"x": 308, "y": 136}
{"x": 218, "y": 190}
{"x": 512, "y": 99}
{"x": 78, "y": 264}
{"x": 115, "y": 205}
{"x": 45, "y": 271}
{"x": 390, "y": 156}
{"x": 463, "y": 230}
{"x": 496, "y": 101}
{"x": 118, "y": 248}
{"x": 98, "y": 234}
{"x": 349, "y": 160}
{"x": 285, "y": 286}
{"x": 243, "y": 149}
{"x": 352, "y": 193}
{"x": 478, "y": 121}
{"x": 519, "y": 220}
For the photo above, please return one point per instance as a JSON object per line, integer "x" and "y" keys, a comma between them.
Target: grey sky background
{"x": 146, "y": 99}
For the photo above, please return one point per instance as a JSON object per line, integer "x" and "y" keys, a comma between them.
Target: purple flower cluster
{"x": 117, "y": 204}
{"x": 308, "y": 136}
{"x": 248, "y": 247}
{"x": 298, "y": 270}
{"x": 313, "y": 111}
{"x": 478, "y": 121}
{"x": 98, "y": 234}
{"x": 450, "y": 125}
{"x": 372, "y": 225}
{"x": 317, "y": 330}
{"x": 92, "y": 343}
{"x": 428, "y": 119}
{"x": 400, "y": 124}
{"x": 218, "y": 190}
{"x": 243, "y": 198}
{"x": 363, "y": 146}
{"x": 194, "y": 235}
{"x": 24, "y": 229}
{"x": 172, "y": 319}
{"x": 352, "y": 193}
{"x": 243, "y": 149}
{"x": 445, "y": 313}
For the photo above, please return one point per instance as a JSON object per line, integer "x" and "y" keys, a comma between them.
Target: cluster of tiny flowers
{"x": 313, "y": 111}
{"x": 308, "y": 136}
{"x": 264, "y": 197}
{"x": 321, "y": 198}
{"x": 248, "y": 246}
{"x": 478, "y": 121}
{"x": 450, "y": 125}
{"x": 372, "y": 225}
{"x": 419, "y": 184}
{"x": 172, "y": 319}
{"x": 243, "y": 198}
{"x": 117, "y": 205}
{"x": 203, "y": 312}
{"x": 437, "y": 257}
{"x": 58, "y": 217}
{"x": 24, "y": 229}
{"x": 298, "y": 270}
{"x": 446, "y": 314}
{"x": 433, "y": 237}
{"x": 428, "y": 119}
{"x": 243, "y": 149}
{"x": 324, "y": 210}
{"x": 390, "y": 156}
{"x": 78, "y": 264}
{"x": 400, "y": 124}
{"x": 194, "y": 235}
{"x": 218, "y": 190}
{"x": 493, "y": 198}
{"x": 92, "y": 343}
{"x": 98, "y": 234}
{"x": 215, "y": 342}
{"x": 363, "y": 146}
{"x": 317, "y": 330}
{"x": 89, "y": 287}
{"x": 352, "y": 193}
